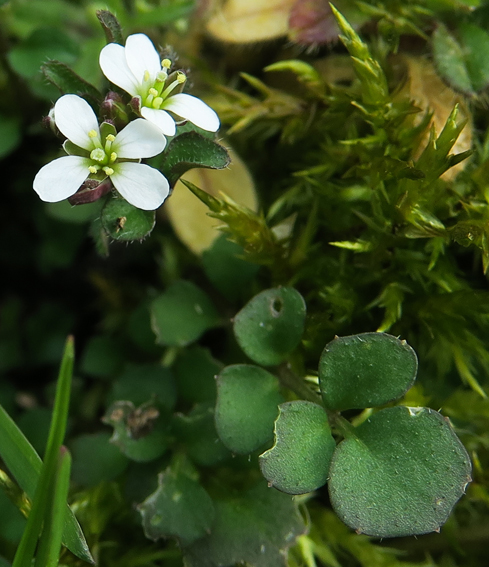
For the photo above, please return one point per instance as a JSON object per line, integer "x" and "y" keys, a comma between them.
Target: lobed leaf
{"x": 256, "y": 527}
{"x": 180, "y": 507}
{"x": 300, "y": 458}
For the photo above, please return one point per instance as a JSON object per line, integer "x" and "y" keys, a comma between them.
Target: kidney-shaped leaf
{"x": 400, "y": 475}
{"x": 366, "y": 370}
{"x": 270, "y": 325}
{"x": 247, "y": 405}
{"x": 299, "y": 461}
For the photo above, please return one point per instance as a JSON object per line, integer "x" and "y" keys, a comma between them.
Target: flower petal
{"x": 114, "y": 66}
{"x": 61, "y": 178}
{"x": 74, "y": 118}
{"x": 141, "y": 56}
{"x": 141, "y": 185}
{"x": 160, "y": 118}
{"x": 193, "y": 109}
{"x": 139, "y": 139}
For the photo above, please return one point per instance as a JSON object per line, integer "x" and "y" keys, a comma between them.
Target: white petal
{"x": 141, "y": 56}
{"x": 193, "y": 109}
{"x": 161, "y": 118}
{"x": 114, "y": 66}
{"x": 141, "y": 185}
{"x": 61, "y": 178}
{"x": 75, "y": 118}
{"x": 139, "y": 139}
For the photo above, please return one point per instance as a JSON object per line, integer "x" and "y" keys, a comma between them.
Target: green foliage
{"x": 189, "y": 150}
{"x": 270, "y": 326}
{"x": 375, "y": 368}
{"x": 180, "y": 507}
{"x": 300, "y": 459}
{"x": 463, "y": 63}
{"x": 247, "y": 400}
{"x": 400, "y": 473}
{"x": 182, "y": 314}
{"x": 256, "y": 526}
{"x": 124, "y": 222}
{"x": 371, "y": 178}
{"x": 139, "y": 432}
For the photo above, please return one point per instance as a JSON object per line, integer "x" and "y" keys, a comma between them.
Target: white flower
{"x": 103, "y": 156}
{"x": 137, "y": 69}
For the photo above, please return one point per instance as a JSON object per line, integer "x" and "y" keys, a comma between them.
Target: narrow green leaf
{"x": 40, "y": 510}
{"x": 25, "y": 465}
{"x": 67, "y": 81}
{"x": 189, "y": 150}
{"x": 111, "y": 26}
{"x": 50, "y": 541}
{"x": 463, "y": 60}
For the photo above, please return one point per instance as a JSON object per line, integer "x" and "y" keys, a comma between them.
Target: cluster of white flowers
{"x": 137, "y": 69}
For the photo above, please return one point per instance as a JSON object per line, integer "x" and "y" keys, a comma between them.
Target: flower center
{"x": 160, "y": 89}
{"x": 102, "y": 156}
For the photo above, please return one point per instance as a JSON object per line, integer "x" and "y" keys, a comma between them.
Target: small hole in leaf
{"x": 277, "y": 305}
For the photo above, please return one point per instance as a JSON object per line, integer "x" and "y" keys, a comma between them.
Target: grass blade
{"x": 50, "y": 541}
{"x": 25, "y": 465}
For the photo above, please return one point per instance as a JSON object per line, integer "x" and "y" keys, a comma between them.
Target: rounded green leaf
{"x": 270, "y": 326}
{"x": 366, "y": 370}
{"x": 196, "y": 370}
{"x": 96, "y": 460}
{"x": 182, "y": 314}
{"x": 251, "y": 527}
{"x": 299, "y": 461}
{"x": 247, "y": 400}
{"x": 401, "y": 474}
{"x": 124, "y": 222}
{"x": 197, "y": 433}
{"x": 225, "y": 268}
{"x": 140, "y": 383}
{"x": 140, "y": 433}
{"x": 180, "y": 507}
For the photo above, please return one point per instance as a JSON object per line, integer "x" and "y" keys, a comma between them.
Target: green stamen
{"x": 95, "y": 138}
{"x": 181, "y": 78}
{"x": 108, "y": 170}
{"x": 93, "y": 168}
{"x": 113, "y": 157}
